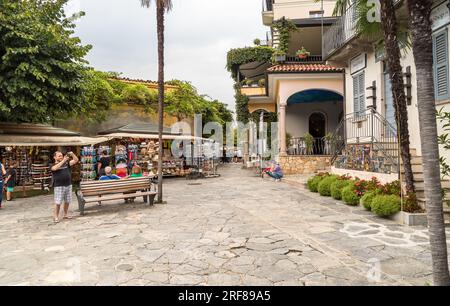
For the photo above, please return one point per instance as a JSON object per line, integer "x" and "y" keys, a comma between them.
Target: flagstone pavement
{"x": 234, "y": 230}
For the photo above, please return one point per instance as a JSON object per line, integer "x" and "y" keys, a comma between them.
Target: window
{"x": 359, "y": 94}
{"x": 315, "y": 14}
{"x": 441, "y": 73}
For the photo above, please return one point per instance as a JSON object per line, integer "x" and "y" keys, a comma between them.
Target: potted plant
{"x": 257, "y": 42}
{"x": 262, "y": 82}
{"x": 309, "y": 143}
{"x": 279, "y": 56}
{"x": 303, "y": 53}
{"x": 248, "y": 82}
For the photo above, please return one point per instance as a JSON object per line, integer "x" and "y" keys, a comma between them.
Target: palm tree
{"x": 162, "y": 6}
{"x": 391, "y": 43}
{"x": 391, "y": 35}
{"x": 420, "y": 23}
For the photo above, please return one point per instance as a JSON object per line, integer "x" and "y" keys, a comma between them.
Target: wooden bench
{"x": 102, "y": 191}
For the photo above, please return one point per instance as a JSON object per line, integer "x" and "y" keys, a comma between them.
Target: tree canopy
{"x": 43, "y": 74}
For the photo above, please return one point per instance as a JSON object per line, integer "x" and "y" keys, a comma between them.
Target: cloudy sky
{"x": 198, "y": 35}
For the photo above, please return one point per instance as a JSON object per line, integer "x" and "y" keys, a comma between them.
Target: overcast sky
{"x": 198, "y": 35}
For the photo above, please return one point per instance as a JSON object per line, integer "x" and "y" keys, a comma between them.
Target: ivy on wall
{"x": 284, "y": 27}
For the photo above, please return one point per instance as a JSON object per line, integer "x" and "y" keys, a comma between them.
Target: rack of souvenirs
{"x": 23, "y": 159}
{"x": 88, "y": 164}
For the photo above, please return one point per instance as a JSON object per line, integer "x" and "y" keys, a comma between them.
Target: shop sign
{"x": 440, "y": 16}
{"x": 358, "y": 63}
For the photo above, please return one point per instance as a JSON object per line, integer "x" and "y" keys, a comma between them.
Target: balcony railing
{"x": 343, "y": 30}
{"x": 318, "y": 146}
{"x": 310, "y": 59}
{"x": 267, "y": 5}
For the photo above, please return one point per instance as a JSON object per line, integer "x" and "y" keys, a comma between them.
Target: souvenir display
{"x": 88, "y": 163}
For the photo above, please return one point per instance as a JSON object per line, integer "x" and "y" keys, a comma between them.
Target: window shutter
{"x": 441, "y": 73}
{"x": 356, "y": 95}
{"x": 362, "y": 93}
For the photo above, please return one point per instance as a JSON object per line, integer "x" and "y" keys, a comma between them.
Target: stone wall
{"x": 304, "y": 164}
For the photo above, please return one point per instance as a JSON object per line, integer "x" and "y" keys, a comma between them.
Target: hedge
{"x": 366, "y": 200}
{"x": 386, "y": 205}
{"x": 325, "y": 185}
{"x": 313, "y": 183}
{"x": 349, "y": 196}
{"x": 336, "y": 188}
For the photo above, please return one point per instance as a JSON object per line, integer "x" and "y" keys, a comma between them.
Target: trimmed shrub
{"x": 349, "y": 196}
{"x": 336, "y": 188}
{"x": 366, "y": 200}
{"x": 325, "y": 185}
{"x": 313, "y": 183}
{"x": 386, "y": 205}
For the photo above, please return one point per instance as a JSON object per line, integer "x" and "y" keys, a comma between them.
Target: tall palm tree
{"x": 420, "y": 12}
{"x": 162, "y": 7}
{"x": 390, "y": 34}
{"x": 391, "y": 43}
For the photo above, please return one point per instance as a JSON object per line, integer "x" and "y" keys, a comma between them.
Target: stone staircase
{"x": 417, "y": 168}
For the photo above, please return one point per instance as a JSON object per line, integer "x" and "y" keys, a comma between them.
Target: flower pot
{"x": 302, "y": 56}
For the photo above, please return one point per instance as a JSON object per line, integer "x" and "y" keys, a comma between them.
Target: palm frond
{"x": 167, "y": 4}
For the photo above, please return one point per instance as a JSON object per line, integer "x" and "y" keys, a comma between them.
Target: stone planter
{"x": 409, "y": 219}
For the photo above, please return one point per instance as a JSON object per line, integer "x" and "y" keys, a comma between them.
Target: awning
{"x": 154, "y": 136}
{"x": 48, "y": 141}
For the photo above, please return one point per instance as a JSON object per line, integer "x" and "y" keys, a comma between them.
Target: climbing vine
{"x": 240, "y": 56}
{"x": 284, "y": 27}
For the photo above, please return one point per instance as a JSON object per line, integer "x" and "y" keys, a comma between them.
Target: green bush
{"x": 325, "y": 185}
{"x": 386, "y": 205}
{"x": 349, "y": 196}
{"x": 366, "y": 200}
{"x": 313, "y": 183}
{"x": 336, "y": 188}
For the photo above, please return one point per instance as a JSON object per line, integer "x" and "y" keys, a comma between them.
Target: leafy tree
{"x": 43, "y": 74}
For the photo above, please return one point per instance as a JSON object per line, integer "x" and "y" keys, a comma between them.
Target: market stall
{"x": 138, "y": 144}
{"x": 32, "y": 147}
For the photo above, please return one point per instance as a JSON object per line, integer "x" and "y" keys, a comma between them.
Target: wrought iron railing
{"x": 343, "y": 30}
{"x": 304, "y": 146}
{"x": 308, "y": 59}
{"x": 366, "y": 141}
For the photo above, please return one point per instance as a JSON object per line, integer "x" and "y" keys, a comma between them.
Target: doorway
{"x": 317, "y": 129}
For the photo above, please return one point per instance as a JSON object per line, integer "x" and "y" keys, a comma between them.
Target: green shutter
{"x": 441, "y": 73}
{"x": 362, "y": 93}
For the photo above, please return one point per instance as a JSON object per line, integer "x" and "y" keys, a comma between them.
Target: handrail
{"x": 366, "y": 128}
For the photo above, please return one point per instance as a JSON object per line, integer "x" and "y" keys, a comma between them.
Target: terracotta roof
{"x": 304, "y": 68}
{"x": 135, "y": 80}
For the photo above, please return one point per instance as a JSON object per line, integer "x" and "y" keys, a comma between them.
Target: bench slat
{"x": 113, "y": 182}
{"x": 115, "y": 186}
{"x": 118, "y": 197}
{"x": 117, "y": 190}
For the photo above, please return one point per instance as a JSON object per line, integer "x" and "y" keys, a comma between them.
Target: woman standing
{"x": 10, "y": 180}
{"x": 2, "y": 173}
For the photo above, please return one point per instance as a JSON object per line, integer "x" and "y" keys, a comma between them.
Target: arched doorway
{"x": 317, "y": 129}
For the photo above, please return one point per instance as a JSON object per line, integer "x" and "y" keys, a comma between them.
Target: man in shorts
{"x": 62, "y": 182}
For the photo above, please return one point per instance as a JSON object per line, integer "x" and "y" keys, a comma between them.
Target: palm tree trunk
{"x": 389, "y": 26}
{"x": 160, "y": 11}
{"x": 420, "y": 11}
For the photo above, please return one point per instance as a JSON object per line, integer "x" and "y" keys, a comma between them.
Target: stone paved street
{"x": 233, "y": 230}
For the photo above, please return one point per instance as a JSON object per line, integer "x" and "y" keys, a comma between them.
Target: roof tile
{"x": 304, "y": 68}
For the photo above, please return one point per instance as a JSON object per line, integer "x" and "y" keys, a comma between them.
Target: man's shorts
{"x": 63, "y": 194}
{"x": 10, "y": 189}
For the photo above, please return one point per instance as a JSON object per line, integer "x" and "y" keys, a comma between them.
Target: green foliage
{"x": 284, "y": 27}
{"x": 242, "y": 112}
{"x": 336, "y": 188}
{"x": 392, "y": 188}
{"x": 349, "y": 195}
{"x": 324, "y": 186}
{"x": 309, "y": 142}
{"x": 366, "y": 200}
{"x": 386, "y": 205}
{"x": 313, "y": 183}
{"x": 257, "y": 41}
{"x": 240, "y": 56}
{"x": 43, "y": 74}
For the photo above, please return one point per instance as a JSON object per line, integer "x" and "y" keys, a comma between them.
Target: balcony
{"x": 267, "y": 12}
{"x": 343, "y": 30}
{"x": 251, "y": 91}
